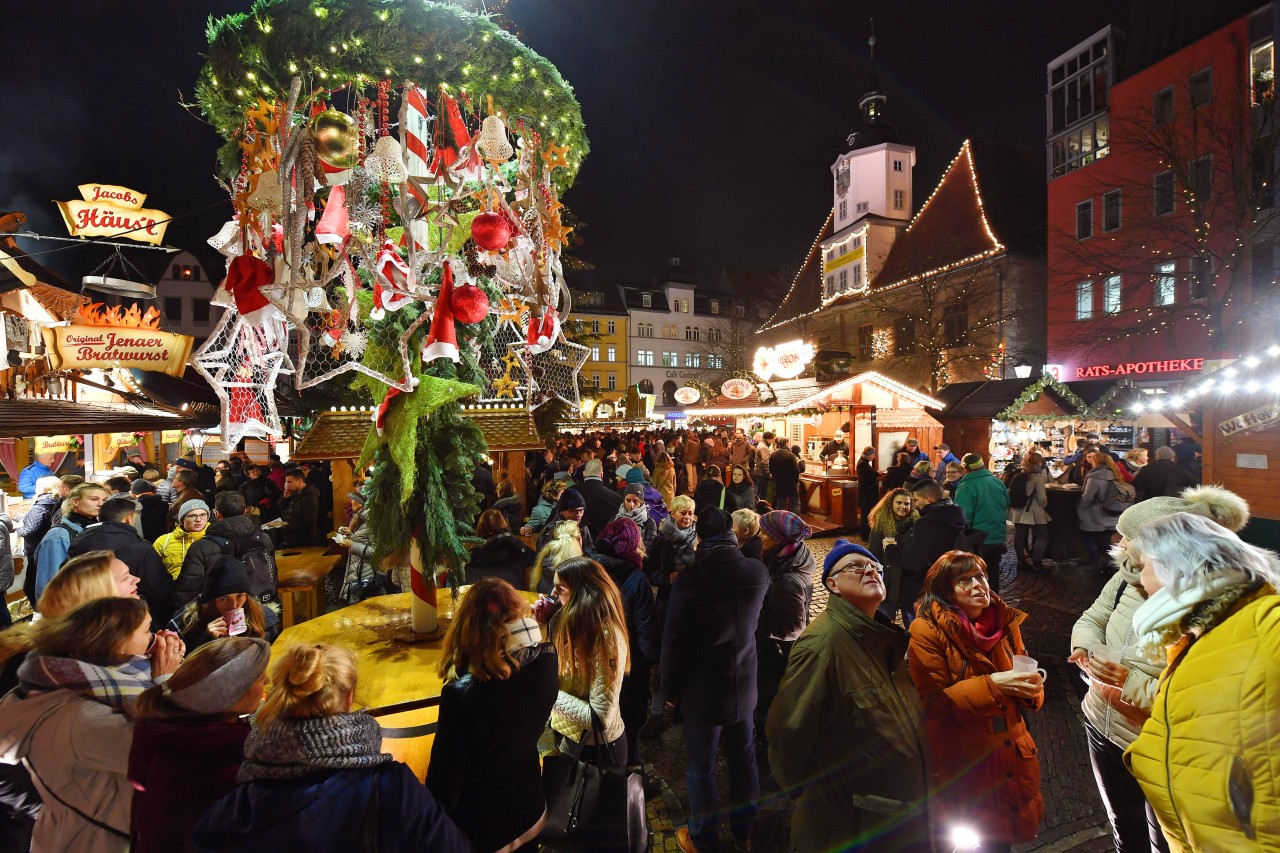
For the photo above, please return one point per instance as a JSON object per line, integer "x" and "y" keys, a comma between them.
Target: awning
{"x": 25, "y": 418}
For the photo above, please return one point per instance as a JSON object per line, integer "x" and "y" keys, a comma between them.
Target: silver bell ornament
{"x": 493, "y": 144}
{"x": 386, "y": 162}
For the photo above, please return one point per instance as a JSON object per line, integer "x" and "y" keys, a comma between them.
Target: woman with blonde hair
{"x": 501, "y": 681}
{"x": 664, "y": 478}
{"x": 746, "y": 527}
{"x": 565, "y": 543}
{"x": 540, "y": 515}
{"x": 314, "y": 775}
{"x": 590, "y": 635}
{"x": 188, "y": 741}
{"x": 892, "y": 521}
{"x": 79, "y": 510}
{"x": 66, "y": 720}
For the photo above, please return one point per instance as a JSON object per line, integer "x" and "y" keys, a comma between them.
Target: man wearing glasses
{"x": 846, "y": 726}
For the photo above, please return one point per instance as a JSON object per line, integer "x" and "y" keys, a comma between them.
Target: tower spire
{"x": 871, "y": 41}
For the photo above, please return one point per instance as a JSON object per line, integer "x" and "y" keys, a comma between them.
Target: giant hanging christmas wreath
{"x": 332, "y": 42}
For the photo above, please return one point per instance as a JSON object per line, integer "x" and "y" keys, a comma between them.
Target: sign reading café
{"x": 112, "y": 211}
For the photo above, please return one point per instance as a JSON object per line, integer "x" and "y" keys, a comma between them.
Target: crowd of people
{"x": 673, "y": 593}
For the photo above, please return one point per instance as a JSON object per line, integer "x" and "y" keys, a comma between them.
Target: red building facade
{"x": 1159, "y": 205}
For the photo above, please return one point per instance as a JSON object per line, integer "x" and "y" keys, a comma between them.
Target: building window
{"x": 865, "y": 334}
{"x": 595, "y": 327}
{"x": 1201, "y": 178}
{"x": 844, "y": 279}
{"x": 831, "y": 284}
{"x": 714, "y": 335}
{"x": 1111, "y": 211}
{"x": 1201, "y": 88}
{"x": 1164, "y": 193}
{"x": 715, "y": 306}
{"x": 897, "y": 165}
{"x": 579, "y": 326}
{"x": 688, "y": 333}
{"x": 1166, "y": 283}
{"x": 669, "y": 359}
{"x": 644, "y": 357}
{"x": 899, "y": 199}
{"x": 739, "y": 311}
{"x": 1111, "y": 295}
{"x": 595, "y": 381}
{"x": 904, "y": 336}
{"x": 612, "y": 327}
{"x": 1084, "y": 220}
{"x": 646, "y": 300}
{"x": 1084, "y": 300}
{"x": 612, "y": 353}
{"x": 1263, "y": 71}
{"x": 613, "y": 382}
{"x": 595, "y": 353}
{"x": 173, "y": 309}
{"x": 856, "y": 269}
{"x": 955, "y": 323}
{"x": 864, "y": 206}
{"x": 1162, "y": 107}
{"x": 715, "y": 362}
{"x": 844, "y": 208}
{"x": 200, "y": 311}
{"x": 697, "y": 358}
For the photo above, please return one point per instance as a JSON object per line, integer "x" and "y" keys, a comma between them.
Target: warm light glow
{"x": 785, "y": 360}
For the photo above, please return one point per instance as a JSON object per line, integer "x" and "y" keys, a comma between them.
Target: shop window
{"x": 1166, "y": 283}
{"x": 1084, "y": 220}
{"x": 1084, "y": 300}
{"x": 1164, "y": 197}
{"x": 865, "y": 335}
{"x": 1162, "y": 108}
{"x": 1201, "y": 88}
{"x": 1111, "y": 295}
{"x": 1111, "y": 211}
{"x": 645, "y": 386}
{"x": 1262, "y": 70}
{"x": 955, "y": 323}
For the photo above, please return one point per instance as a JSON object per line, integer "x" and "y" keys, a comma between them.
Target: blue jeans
{"x": 744, "y": 780}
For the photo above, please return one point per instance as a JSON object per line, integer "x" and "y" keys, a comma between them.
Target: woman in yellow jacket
{"x": 1208, "y": 758}
{"x": 193, "y": 521}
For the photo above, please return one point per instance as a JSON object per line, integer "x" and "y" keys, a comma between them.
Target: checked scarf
{"x": 115, "y": 686}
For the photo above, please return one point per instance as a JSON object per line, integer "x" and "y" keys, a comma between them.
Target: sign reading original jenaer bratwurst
{"x": 86, "y": 347}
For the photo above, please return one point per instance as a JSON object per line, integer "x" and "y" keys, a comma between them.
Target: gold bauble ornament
{"x": 337, "y": 139}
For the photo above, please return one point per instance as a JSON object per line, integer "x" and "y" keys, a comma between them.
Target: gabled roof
{"x": 805, "y": 295}
{"x": 335, "y": 435}
{"x": 792, "y": 394}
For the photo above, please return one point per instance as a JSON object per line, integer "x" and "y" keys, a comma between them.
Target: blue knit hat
{"x": 839, "y": 551}
{"x": 635, "y": 475}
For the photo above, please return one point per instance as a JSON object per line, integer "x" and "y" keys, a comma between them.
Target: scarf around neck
{"x": 682, "y": 541}
{"x": 640, "y": 515}
{"x": 1158, "y": 622}
{"x": 523, "y": 633}
{"x": 986, "y": 633}
{"x": 114, "y": 686}
{"x": 290, "y": 749}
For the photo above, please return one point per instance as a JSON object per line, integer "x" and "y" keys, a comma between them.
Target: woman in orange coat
{"x": 963, "y": 641}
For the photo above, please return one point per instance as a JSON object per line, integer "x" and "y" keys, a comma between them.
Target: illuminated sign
{"x": 52, "y": 444}
{"x": 86, "y": 347}
{"x": 171, "y": 436}
{"x": 1262, "y": 416}
{"x": 737, "y": 389}
{"x": 687, "y": 396}
{"x": 786, "y": 361}
{"x": 1130, "y": 368}
{"x": 111, "y": 211}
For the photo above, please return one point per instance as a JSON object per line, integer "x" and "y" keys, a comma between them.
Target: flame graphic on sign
{"x": 97, "y": 314}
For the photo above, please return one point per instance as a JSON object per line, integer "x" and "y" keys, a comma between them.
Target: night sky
{"x": 710, "y": 122}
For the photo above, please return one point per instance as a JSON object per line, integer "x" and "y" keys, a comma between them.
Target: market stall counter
{"x": 389, "y": 671}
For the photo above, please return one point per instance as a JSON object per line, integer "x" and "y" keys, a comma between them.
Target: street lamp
{"x": 198, "y": 440}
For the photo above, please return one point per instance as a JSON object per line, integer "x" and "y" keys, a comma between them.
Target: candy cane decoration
{"x": 416, "y": 128}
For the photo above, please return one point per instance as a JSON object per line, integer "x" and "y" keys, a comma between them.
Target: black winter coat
{"x": 637, "y": 601}
{"x": 709, "y": 643}
{"x": 894, "y": 478}
{"x": 784, "y": 470}
{"x": 502, "y": 556}
{"x": 868, "y": 484}
{"x": 1162, "y": 478}
{"x": 484, "y": 768}
{"x": 709, "y": 493}
{"x": 204, "y": 553}
{"x": 155, "y": 516}
{"x": 785, "y": 611}
{"x": 933, "y": 535}
{"x": 301, "y": 514}
{"x": 154, "y": 583}
{"x": 602, "y": 504}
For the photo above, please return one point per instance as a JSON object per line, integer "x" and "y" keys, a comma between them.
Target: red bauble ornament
{"x": 469, "y": 304}
{"x": 490, "y": 231}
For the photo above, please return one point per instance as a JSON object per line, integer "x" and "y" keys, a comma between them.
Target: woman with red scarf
{"x": 986, "y": 773}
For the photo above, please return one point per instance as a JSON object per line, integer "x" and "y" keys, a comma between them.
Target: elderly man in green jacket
{"x": 846, "y": 731}
{"x": 985, "y": 502}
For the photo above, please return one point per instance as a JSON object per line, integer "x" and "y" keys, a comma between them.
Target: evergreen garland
{"x": 333, "y": 44}
{"x": 1032, "y": 393}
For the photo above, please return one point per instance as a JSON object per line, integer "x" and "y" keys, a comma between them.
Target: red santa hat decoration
{"x": 543, "y": 331}
{"x": 442, "y": 341}
{"x": 390, "y": 282}
{"x": 380, "y": 413}
{"x": 246, "y": 276}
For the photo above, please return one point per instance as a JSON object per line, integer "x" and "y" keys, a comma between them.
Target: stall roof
{"x": 986, "y": 400}
{"x": 905, "y": 419}
{"x": 27, "y": 417}
{"x": 792, "y": 394}
{"x": 32, "y": 290}
{"x": 342, "y": 435}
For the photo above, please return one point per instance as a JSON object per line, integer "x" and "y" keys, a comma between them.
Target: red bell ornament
{"x": 469, "y": 304}
{"x": 490, "y": 231}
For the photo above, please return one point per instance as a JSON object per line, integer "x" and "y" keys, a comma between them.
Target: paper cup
{"x": 1022, "y": 663}
{"x": 1103, "y": 653}
{"x": 235, "y": 622}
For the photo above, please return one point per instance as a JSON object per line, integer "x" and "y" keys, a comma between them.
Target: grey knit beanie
{"x": 1213, "y": 502}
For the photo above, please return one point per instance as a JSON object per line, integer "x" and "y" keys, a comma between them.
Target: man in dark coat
{"x": 299, "y": 510}
{"x": 784, "y": 470}
{"x": 1162, "y": 477}
{"x": 602, "y": 502}
{"x": 153, "y": 509}
{"x": 709, "y": 671}
{"x": 937, "y": 531}
{"x": 233, "y": 526}
{"x": 115, "y": 532}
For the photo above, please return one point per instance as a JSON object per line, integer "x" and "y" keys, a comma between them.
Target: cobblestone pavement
{"x": 1074, "y": 816}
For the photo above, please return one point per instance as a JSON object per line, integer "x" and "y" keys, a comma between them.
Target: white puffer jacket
{"x": 1107, "y": 621}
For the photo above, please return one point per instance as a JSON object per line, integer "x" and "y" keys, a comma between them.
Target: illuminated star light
{"x": 234, "y": 345}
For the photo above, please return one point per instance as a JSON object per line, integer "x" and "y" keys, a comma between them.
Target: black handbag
{"x": 592, "y": 805}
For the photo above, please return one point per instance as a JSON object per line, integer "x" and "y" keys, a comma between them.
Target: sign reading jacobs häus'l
{"x": 112, "y": 211}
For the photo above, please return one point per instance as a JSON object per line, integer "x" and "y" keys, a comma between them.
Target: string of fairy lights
{"x": 1259, "y": 372}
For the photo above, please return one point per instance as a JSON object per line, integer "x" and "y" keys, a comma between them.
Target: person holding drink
{"x": 969, "y": 665}
{"x": 225, "y": 608}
